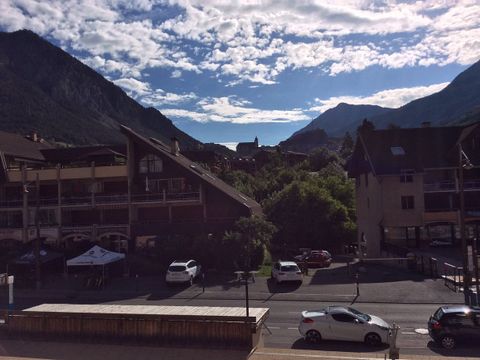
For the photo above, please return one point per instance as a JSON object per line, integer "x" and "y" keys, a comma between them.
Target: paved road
{"x": 284, "y": 318}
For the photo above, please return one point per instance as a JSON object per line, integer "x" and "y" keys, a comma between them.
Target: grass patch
{"x": 265, "y": 270}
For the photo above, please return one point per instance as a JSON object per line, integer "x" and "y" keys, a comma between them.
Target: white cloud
{"x": 250, "y": 41}
{"x": 134, "y": 87}
{"x": 161, "y": 97}
{"x": 392, "y": 98}
{"x": 176, "y": 74}
{"x": 235, "y": 111}
{"x": 230, "y": 145}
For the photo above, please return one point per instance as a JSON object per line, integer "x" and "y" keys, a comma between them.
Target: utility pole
{"x": 37, "y": 226}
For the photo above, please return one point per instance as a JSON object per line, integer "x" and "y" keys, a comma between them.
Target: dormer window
{"x": 150, "y": 164}
{"x": 397, "y": 150}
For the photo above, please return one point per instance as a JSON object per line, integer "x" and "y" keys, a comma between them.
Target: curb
{"x": 217, "y": 295}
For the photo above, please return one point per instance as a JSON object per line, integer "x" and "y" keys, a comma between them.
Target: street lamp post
{"x": 464, "y": 162}
{"x": 37, "y": 229}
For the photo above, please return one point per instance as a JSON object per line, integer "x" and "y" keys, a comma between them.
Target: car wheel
{"x": 373, "y": 339}
{"x": 447, "y": 342}
{"x": 313, "y": 336}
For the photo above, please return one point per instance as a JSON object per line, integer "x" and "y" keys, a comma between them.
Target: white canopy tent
{"x": 96, "y": 256}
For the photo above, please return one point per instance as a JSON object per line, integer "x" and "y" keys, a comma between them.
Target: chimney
{"x": 426, "y": 124}
{"x": 174, "y": 147}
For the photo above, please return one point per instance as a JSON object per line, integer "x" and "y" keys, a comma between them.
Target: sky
{"x": 226, "y": 71}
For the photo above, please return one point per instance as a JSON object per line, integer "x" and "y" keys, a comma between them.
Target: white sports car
{"x": 343, "y": 323}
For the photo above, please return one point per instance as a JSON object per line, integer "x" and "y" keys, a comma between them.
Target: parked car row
{"x": 448, "y": 326}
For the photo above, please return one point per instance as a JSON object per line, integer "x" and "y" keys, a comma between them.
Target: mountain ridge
{"x": 45, "y": 89}
{"x": 454, "y": 104}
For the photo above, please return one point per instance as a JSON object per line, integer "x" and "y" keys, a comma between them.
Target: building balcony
{"x": 68, "y": 173}
{"x": 450, "y": 186}
{"x": 15, "y": 203}
{"x": 104, "y": 199}
{"x": 166, "y": 197}
{"x": 439, "y": 186}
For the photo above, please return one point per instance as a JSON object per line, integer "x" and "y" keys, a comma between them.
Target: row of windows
{"x": 407, "y": 202}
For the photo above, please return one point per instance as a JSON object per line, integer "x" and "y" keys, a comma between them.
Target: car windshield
{"x": 438, "y": 314}
{"x": 177, "y": 268}
{"x": 288, "y": 268}
{"x": 360, "y": 314}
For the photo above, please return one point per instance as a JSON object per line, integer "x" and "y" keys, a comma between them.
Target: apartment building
{"x": 408, "y": 186}
{"x": 123, "y": 197}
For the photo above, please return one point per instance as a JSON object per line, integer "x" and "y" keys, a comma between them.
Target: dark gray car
{"x": 451, "y": 325}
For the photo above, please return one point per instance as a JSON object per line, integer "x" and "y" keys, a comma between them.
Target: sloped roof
{"x": 392, "y": 150}
{"x": 195, "y": 169}
{"x": 17, "y": 146}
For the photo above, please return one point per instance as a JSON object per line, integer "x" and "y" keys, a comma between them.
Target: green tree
{"x": 248, "y": 241}
{"x": 321, "y": 157}
{"x": 240, "y": 180}
{"x": 366, "y": 126}
{"x": 307, "y": 215}
{"x": 347, "y": 146}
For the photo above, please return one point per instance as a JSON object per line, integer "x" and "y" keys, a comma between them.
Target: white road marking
{"x": 409, "y": 333}
{"x": 292, "y": 328}
{"x": 422, "y": 331}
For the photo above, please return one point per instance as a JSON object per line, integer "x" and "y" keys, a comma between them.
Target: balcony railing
{"x": 11, "y": 203}
{"x": 446, "y": 185}
{"x": 449, "y": 185}
{"x": 105, "y": 199}
{"x": 166, "y": 197}
{"x": 111, "y": 199}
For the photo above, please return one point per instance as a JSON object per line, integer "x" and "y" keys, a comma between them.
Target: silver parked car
{"x": 343, "y": 323}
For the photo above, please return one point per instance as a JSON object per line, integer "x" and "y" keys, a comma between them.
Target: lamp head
{"x": 467, "y": 165}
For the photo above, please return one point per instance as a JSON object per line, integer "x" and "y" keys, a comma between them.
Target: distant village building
{"x": 408, "y": 187}
{"x": 123, "y": 197}
{"x": 247, "y": 148}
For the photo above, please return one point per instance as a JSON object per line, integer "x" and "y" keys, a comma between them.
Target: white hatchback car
{"x": 343, "y": 323}
{"x": 182, "y": 271}
{"x": 286, "y": 271}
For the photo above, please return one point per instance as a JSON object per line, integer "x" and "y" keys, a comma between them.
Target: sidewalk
{"x": 379, "y": 284}
{"x": 43, "y": 350}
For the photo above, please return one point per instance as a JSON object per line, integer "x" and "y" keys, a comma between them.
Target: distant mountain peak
{"x": 336, "y": 121}
{"x": 456, "y": 103}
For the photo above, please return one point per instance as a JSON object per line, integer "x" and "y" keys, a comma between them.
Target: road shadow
{"x": 465, "y": 349}
{"x": 367, "y": 273}
{"x": 285, "y": 287}
{"x": 343, "y": 346}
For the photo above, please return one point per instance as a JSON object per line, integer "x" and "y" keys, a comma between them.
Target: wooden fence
{"x": 214, "y": 331}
